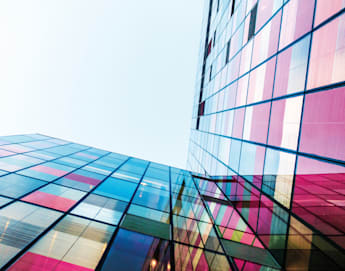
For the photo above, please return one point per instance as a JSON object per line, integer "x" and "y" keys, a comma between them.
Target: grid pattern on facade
{"x": 272, "y": 124}
{"x": 66, "y": 206}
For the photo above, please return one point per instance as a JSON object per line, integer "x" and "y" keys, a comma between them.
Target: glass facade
{"x": 268, "y": 131}
{"x": 265, "y": 185}
{"x": 65, "y": 206}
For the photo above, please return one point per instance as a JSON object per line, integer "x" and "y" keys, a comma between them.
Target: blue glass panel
{"x": 17, "y": 162}
{"x": 117, "y": 189}
{"x": 101, "y": 208}
{"x": 135, "y": 251}
{"x": 135, "y": 165}
{"x": 68, "y": 161}
{"x": 15, "y": 186}
{"x": 127, "y": 175}
{"x": 43, "y": 155}
{"x": 153, "y": 198}
{"x": 4, "y": 201}
{"x": 74, "y": 184}
{"x": 148, "y": 213}
{"x": 63, "y": 150}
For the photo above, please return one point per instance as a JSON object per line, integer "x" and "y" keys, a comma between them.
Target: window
{"x": 73, "y": 244}
{"x": 297, "y": 20}
{"x": 55, "y": 196}
{"x": 101, "y": 208}
{"x": 135, "y": 251}
{"x": 21, "y": 223}
{"x": 285, "y": 122}
{"x": 327, "y": 50}
{"x": 15, "y": 186}
{"x": 291, "y": 68}
{"x": 323, "y": 126}
{"x": 252, "y": 22}
{"x": 227, "y": 51}
{"x": 117, "y": 189}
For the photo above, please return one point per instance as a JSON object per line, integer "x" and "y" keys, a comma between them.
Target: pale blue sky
{"x": 117, "y": 75}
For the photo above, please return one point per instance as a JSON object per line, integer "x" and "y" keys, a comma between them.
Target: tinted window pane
{"x": 20, "y": 224}
{"x": 117, "y": 189}
{"x": 135, "y": 251}
{"x": 323, "y": 126}
{"x": 73, "y": 244}
{"x": 15, "y": 186}
{"x": 101, "y": 208}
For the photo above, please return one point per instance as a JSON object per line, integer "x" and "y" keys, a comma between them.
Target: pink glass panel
{"x": 266, "y": 9}
{"x": 266, "y": 41}
{"x": 238, "y": 123}
{"x": 5, "y": 153}
{"x": 297, "y": 20}
{"x": 319, "y": 196}
{"x": 49, "y": 200}
{"x": 291, "y": 69}
{"x": 261, "y": 82}
{"x": 328, "y": 54}
{"x": 256, "y": 123}
{"x": 285, "y": 122}
{"x": 327, "y": 8}
{"x": 242, "y": 90}
{"x": 83, "y": 179}
{"x": 239, "y": 263}
{"x": 35, "y": 262}
{"x": 323, "y": 127}
{"x": 16, "y": 148}
{"x": 250, "y": 266}
{"x": 49, "y": 170}
{"x": 86, "y": 155}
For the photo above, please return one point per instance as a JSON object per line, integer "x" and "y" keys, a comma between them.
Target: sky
{"x": 113, "y": 74}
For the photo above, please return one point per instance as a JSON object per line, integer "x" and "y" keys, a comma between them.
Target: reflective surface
{"x": 271, "y": 132}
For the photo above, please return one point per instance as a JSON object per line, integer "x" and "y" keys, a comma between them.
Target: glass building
{"x": 268, "y": 131}
{"x": 265, "y": 185}
{"x": 65, "y": 206}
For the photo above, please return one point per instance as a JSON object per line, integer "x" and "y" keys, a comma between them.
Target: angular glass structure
{"x": 66, "y": 206}
{"x": 265, "y": 185}
{"x": 268, "y": 132}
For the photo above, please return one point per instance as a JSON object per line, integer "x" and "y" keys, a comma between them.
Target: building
{"x": 65, "y": 206}
{"x": 269, "y": 123}
{"x": 266, "y": 186}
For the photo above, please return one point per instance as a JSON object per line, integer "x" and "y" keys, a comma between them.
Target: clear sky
{"x": 113, "y": 74}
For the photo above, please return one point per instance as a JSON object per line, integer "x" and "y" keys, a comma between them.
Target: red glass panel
{"x": 49, "y": 200}
{"x": 35, "y": 262}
